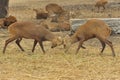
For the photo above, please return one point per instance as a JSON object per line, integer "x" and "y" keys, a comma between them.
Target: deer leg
{"x": 18, "y": 43}
{"x": 98, "y": 9}
{"x": 35, "y": 42}
{"x": 7, "y": 42}
{"x": 80, "y": 44}
{"x": 41, "y": 45}
{"x": 111, "y": 46}
{"x": 103, "y": 7}
{"x": 103, "y": 46}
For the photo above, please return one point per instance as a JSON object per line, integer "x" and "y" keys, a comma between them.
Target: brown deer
{"x": 54, "y": 8}
{"x": 93, "y": 28}
{"x": 29, "y": 30}
{"x": 41, "y": 14}
{"x": 101, "y": 3}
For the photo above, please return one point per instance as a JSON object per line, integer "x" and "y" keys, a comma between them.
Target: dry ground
{"x": 55, "y": 64}
{"x": 23, "y": 9}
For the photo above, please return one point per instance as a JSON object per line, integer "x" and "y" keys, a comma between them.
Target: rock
{"x": 114, "y": 23}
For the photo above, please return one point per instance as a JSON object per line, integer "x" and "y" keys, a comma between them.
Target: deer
{"x": 101, "y": 3}
{"x": 93, "y": 28}
{"x": 30, "y": 30}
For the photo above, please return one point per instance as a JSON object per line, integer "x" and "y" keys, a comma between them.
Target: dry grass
{"x": 55, "y": 64}
{"x": 23, "y": 9}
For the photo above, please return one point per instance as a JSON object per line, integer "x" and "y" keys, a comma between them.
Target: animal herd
{"x": 93, "y": 28}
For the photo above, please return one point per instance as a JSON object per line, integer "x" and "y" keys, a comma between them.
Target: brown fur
{"x": 93, "y": 29}
{"x": 9, "y": 20}
{"x": 101, "y": 3}
{"x": 64, "y": 26}
{"x": 59, "y": 26}
{"x": 53, "y": 8}
{"x": 64, "y": 16}
{"x": 5, "y": 22}
{"x": 53, "y": 26}
{"x": 30, "y": 30}
{"x": 41, "y": 14}
{"x": 56, "y": 12}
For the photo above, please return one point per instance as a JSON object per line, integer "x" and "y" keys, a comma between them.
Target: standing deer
{"x": 101, "y": 3}
{"x": 29, "y": 30}
{"x": 93, "y": 28}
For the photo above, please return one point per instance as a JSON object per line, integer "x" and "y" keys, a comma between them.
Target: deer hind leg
{"x": 104, "y": 40}
{"x": 103, "y": 45}
{"x": 7, "y": 42}
{"x": 41, "y": 45}
{"x": 18, "y": 43}
{"x": 35, "y": 43}
{"x": 111, "y": 46}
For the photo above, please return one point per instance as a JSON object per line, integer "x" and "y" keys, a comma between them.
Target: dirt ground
{"x": 56, "y": 64}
